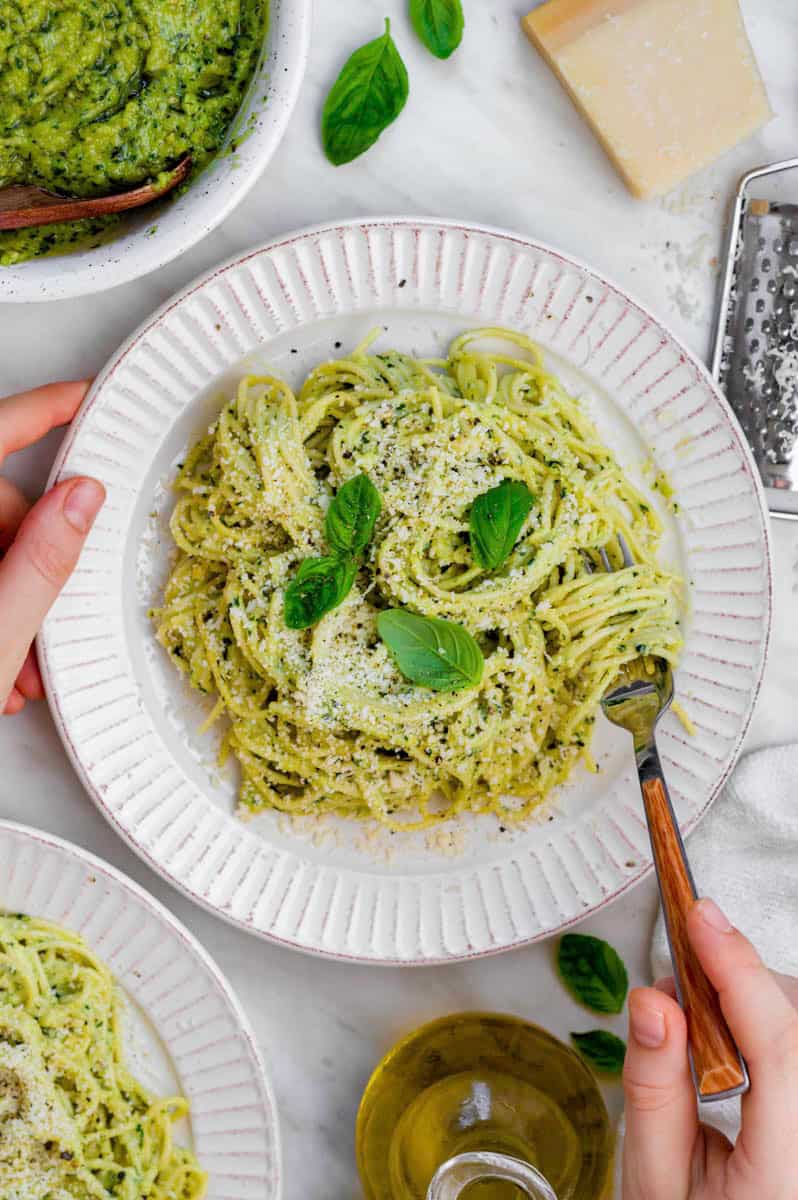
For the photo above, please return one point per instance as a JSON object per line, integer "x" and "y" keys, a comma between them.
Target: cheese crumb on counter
{"x": 666, "y": 85}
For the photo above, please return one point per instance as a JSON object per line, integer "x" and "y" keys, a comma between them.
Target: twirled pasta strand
{"x": 320, "y": 720}
{"x": 74, "y": 1122}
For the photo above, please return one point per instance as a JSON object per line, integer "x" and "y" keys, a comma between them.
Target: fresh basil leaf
{"x": 496, "y": 519}
{"x": 604, "y": 1051}
{"x": 439, "y": 24}
{"x": 431, "y": 652}
{"x": 593, "y": 972}
{"x": 319, "y": 585}
{"x": 366, "y": 97}
{"x": 351, "y": 516}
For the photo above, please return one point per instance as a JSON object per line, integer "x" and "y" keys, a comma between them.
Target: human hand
{"x": 667, "y": 1154}
{"x": 39, "y": 546}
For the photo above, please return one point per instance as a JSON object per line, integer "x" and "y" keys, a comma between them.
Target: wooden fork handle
{"x": 718, "y": 1068}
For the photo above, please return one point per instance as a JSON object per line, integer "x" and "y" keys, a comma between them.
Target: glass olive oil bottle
{"x": 482, "y": 1082}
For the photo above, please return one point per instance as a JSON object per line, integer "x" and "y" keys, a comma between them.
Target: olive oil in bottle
{"x": 482, "y": 1082}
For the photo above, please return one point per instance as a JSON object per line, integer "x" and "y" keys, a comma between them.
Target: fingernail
{"x": 82, "y": 503}
{"x": 14, "y": 704}
{"x": 647, "y": 1025}
{"x": 712, "y": 916}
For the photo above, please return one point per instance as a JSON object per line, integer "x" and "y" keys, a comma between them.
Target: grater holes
{"x": 759, "y": 363}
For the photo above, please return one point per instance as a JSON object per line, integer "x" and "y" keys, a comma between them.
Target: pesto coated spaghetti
{"x": 321, "y": 719}
{"x": 74, "y": 1123}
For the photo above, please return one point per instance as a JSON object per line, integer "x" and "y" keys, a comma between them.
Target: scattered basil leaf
{"x": 319, "y": 585}
{"x": 496, "y": 519}
{"x": 351, "y": 516}
{"x": 439, "y": 24}
{"x": 593, "y": 972}
{"x": 604, "y": 1051}
{"x": 366, "y": 97}
{"x": 431, "y": 652}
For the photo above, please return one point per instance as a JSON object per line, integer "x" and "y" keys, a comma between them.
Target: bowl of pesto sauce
{"x": 98, "y": 96}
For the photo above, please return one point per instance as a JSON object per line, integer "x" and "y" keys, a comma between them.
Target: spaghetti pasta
{"x": 321, "y": 720}
{"x": 74, "y": 1123}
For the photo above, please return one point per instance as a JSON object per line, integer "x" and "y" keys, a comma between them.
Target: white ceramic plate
{"x": 154, "y": 235}
{"x": 185, "y": 1032}
{"x": 131, "y": 726}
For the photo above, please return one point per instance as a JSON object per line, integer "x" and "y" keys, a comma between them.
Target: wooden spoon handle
{"x": 718, "y": 1067}
{"x": 22, "y": 206}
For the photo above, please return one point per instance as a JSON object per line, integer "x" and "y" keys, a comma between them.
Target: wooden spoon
{"x": 636, "y": 700}
{"x": 22, "y": 206}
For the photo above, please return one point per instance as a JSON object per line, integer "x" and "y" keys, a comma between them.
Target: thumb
{"x": 38, "y": 564}
{"x": 661, "y": 1116}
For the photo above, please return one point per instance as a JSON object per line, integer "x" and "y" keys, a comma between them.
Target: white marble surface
{"x": 488, "y": 136}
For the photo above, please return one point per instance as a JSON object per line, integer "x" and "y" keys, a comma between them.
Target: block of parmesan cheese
{"x": 667, "y": 85}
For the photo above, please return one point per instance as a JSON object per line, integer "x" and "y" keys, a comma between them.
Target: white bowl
{"x": 131, "y": 726}
{"x": 153, "y": 236}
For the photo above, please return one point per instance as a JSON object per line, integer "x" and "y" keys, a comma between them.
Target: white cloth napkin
{"x": 745, "y": 856}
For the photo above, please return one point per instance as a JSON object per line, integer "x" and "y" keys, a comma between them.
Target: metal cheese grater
{"x": 756, "y": 344}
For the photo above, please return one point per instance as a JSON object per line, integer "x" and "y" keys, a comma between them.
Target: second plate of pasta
{"x": 370, "y": 728}
{"x": 112, "y": 1020}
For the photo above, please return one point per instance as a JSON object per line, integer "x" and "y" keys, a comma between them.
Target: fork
{"x": 636, "y": 700}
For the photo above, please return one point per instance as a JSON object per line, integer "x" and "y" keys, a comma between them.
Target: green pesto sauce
{"x": 97, "y": 96}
